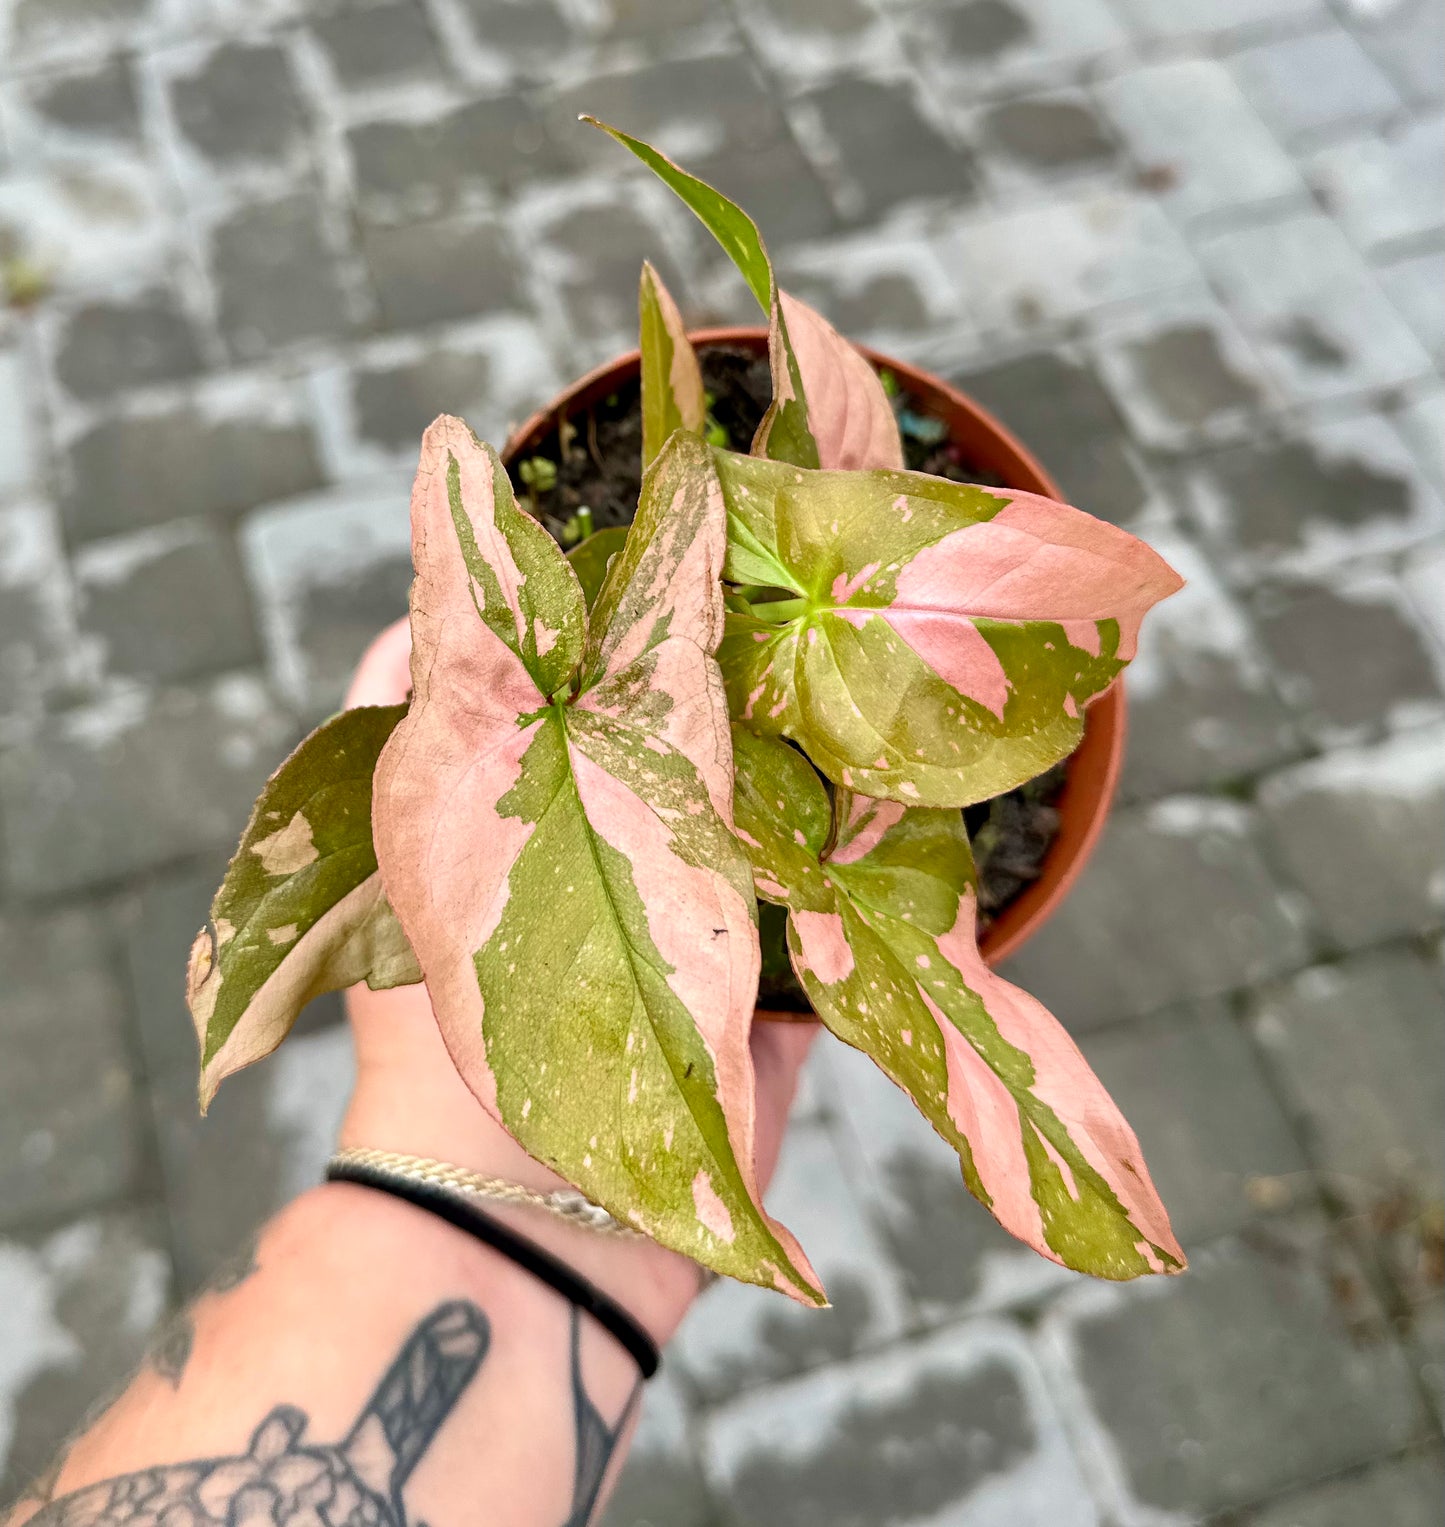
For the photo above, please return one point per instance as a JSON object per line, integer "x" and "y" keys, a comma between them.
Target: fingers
{"x": 383, "y": 676}
{"x": 779, "y": 1050}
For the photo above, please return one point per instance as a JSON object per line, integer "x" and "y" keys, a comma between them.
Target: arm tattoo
{"x": 281, "y": 1481}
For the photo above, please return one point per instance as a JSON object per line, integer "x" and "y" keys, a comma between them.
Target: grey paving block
{"x": 69, "y": 1130}
{"x": 17, "y": 448}
{"x": 1321, "y": 83}
{"x": 1416, "y": 285}
{"x": 661, "y": 1484}
{"x": 276, "y": 277}
{"x": 1176, "y": 903}
{"x": 1424, "y": 580}
{"x": 1250, "y": 1374}
{"x": 1406, "y": 1492}
{"x": 104, "y": 346}
{"x": 778, "y": 186}
{"x": 240, "y": 105}
{"x": 740, "y": 1337}
{"x": 1188, "y": 124}
{"x": 952, "y": 1432}
{"x": 1340, "y": 491}
{"x": 98, "y": 102}
{"x": 134, "y": 782}
{"x": 78, "y": 1308}
{"x": 38, "y": 643}
{"x": 1355, "y": 1048}
{"x": 265, "y": 1140}
{"x": 648, "y": 20}
{"x": 1036, "y": 139}
{"x": 1406, "y": 40}
{"x": 1350, "y": 656}
{"x": 1421, "y": 421}
{"x": 126, "y": 472}
{"x": 1057, "y": 261}
{"x": 1362, "y": 833}
{"x": 395, "y": 402}
{"x": 380, "y": 43}
{"x": 1063, "y": 410}
{"x": 1384, "y": 188}
{"x": 436, "y": 272}
{"x": 529, "y": 34}
{"x": 1203, "y": 709}
{"x": 167, "y": 603}
{"x": 808, "y": 39}
{"x": 1218, "y": 1144}
{"x": 1161, "y": 19}
{"x": 888, "y": 150}
{"x": 329, "y": 573}
{"x": 57, "y": 28}
{"x": 1303, "y": 294}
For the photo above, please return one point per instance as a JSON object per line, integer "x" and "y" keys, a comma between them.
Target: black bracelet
{"x": 526, "y": 1254}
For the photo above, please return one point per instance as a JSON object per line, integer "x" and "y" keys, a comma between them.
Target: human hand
{"x": 410, "y": 1098}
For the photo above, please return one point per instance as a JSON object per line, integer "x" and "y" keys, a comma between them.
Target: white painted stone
{"x": 1385, "y": 189}
{"x": 1320, "y": 83}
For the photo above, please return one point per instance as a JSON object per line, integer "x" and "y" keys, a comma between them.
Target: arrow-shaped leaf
{"x": 672, "y": 392}
{"x": 564, "y": 866}
{"x": 943, "y": 640}
{"x": 829, "y": 408}
{"x": 881, "y": 934}
{"x": 301, "y": 910}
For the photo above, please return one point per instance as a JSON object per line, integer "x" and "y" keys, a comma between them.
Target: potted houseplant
{"x": 782, "y": 684}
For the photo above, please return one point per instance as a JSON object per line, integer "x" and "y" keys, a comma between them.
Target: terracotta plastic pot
{"x": 1094, "y": 766}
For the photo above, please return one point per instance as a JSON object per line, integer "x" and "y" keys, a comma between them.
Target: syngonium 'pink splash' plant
{"x": 795, "y": 668}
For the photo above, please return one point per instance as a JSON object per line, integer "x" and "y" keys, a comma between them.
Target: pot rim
{"x": 1094, "y": 766}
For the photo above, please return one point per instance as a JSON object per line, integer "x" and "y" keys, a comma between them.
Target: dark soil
{"x": 594, "y": 462}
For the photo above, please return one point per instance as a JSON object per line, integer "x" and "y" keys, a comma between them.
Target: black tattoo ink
{"x": 596, "y": 1441}
{"x": 282, "y": 1482}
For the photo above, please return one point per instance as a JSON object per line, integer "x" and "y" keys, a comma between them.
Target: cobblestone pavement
{"x": 1193, "y": 252}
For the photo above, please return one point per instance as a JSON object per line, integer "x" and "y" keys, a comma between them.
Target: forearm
{"x": 374, "y": 1365}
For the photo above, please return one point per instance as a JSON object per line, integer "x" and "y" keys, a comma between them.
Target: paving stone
{"x": 1182, "y": 879}
{"x": 777, "y": 185}
{"x": 1406, "y": 40}
{"x": 1350, "y": 656}
{"x": 42, "y": 28}
{"x": 1424, "y": 581}
{"x": 1040, "y": 137}
{"x": 395, "y": 403}
{"x": 889, "y": 151}
{"x": 276, "y": 277}
{"x": 807, "y": 39}
{"x": 1422, "y": 424}
{"x": 108, "y": 345}
{"x": 127, "y": 472}
{"x": 661, "y": 1484}
{"x": 265, "y": 1139}
{"x": 167, "y": 603}
{"x": 37, "y": 619}
{"x": 1202, "y": 707}
{"x": 433, "y": 272}
{"x": 68, "y": 1126}
{"x": 530, "y": 34}
{"x": 380, "y": 44}
{"x": 1362, "y": 832}
{"x": 1369, "y": 1095}
{"x": 740, "y": 1337}
{"x": 330, "y": 572}
{"x": 1343, "y": 490}
{"x": 1218, "y": 1145}
{"x": 1406, "y": 1492}
{"x": 78, "y": 1309}
{"x": 1384, "y": 189}
{"x": 1062, "y": 409}
{"x": 1058, "y": 261}
{"x": 240, "y": 105}
{"x": 959, "y": 1431}
{"x": 1188, "y": 123}
{"x": 644, "y": 20}
{"x": 98, "y": 103}
{"x": 17, "y": 454}
{"x": 130, "y": 783}
{"x": 1320, "y": 83}
{"x": 1302, "y": 294}
{"x": 406, "y": 169}
{"x": 1251, "y": 1374}
{"x": 1159, "y": 19}
{"x": 1416, "y": 285}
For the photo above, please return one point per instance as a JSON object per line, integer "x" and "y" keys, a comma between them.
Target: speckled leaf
{"x": 672, "y": 393}
{"x": 829, "y": 408}
{"x": 566, "y": 873}
{"x": 301, "y": 910}
{"x": 944, "y": 639}
{"x": 589, "y": 559}
{"x": 881, "y": 934}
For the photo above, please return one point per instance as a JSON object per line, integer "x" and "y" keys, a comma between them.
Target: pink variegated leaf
{"x": 881, "y": 934}
{"x": 561, "y": 858}
{"x": 942, "y": 641}
{"x": 672, "y": 391}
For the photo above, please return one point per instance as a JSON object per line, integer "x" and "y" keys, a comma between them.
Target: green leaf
{"x": 944, "y": 639}
{"x": 565, "y": 870}
{"x": 589, "y": 559}
{"x": 672, "y": 391}
{"x": 301, "y": 910}
{"x": 881, "y": 932}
